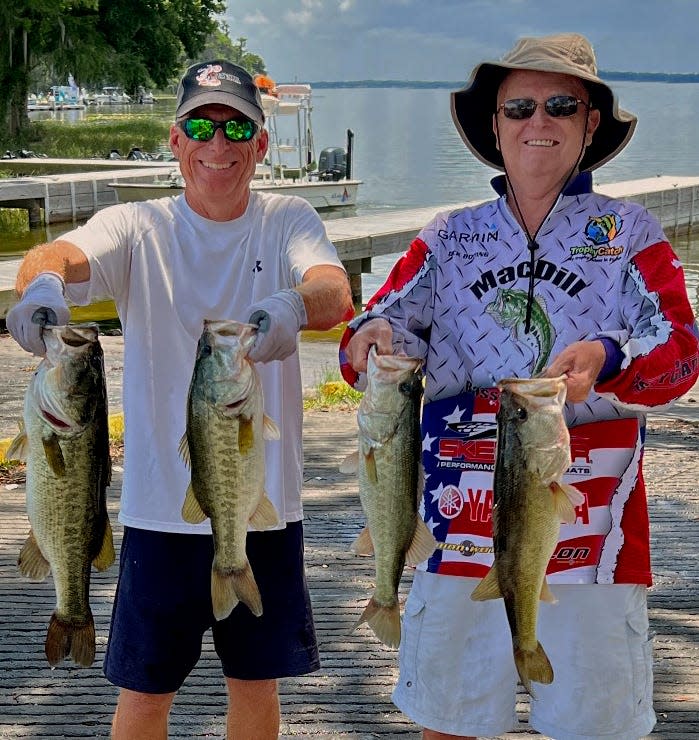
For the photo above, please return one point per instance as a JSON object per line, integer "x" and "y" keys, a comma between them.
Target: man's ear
{"x": 174, "y": 139}
{"x": 262, "y": 142}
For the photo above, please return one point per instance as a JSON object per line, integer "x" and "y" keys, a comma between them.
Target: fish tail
{"x": 231, "y": 586}
{"x": 65, "y": 638}
{"x": 533, "y": 665}
{"x": 383, "y": 620}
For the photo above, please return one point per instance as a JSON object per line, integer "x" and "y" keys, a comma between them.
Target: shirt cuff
{"x": 612, "y": 361}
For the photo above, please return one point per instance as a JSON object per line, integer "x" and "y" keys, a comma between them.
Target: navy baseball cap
{"x": 220, "y": 82}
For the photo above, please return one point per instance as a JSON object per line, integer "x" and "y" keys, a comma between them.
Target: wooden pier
{"x": 74, "y": 195}
{"x": 674, "y": 201}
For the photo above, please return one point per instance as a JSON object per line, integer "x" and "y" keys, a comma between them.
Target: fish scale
{"x": 225, "y": 449}
{"x": 65, "y": 443}
{"x": 390, "y": 483}
{"x": 529, "y": 503}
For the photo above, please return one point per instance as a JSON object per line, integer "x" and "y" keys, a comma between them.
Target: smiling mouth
{"x": 217, "y": 165}
{"x": 541, "y": 142}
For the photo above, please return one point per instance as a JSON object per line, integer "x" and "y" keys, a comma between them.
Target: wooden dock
{"x": 674, "y": 201}
{"x": 72, "y": 196}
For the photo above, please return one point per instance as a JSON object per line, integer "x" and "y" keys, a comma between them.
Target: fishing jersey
{"x": 458, "y": 299}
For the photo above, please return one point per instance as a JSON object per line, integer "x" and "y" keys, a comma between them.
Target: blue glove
{"x": 279, "y": 319}
{"x": 42, "y": 304}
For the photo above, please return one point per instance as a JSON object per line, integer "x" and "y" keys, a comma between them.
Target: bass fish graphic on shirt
{"x": 509, "y": 309}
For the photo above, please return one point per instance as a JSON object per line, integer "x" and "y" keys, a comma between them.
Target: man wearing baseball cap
{"x": 550, "y": 279}
{"x": 219, "y": 251}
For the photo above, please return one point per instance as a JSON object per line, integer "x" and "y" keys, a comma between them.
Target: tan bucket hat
{"x": 472, "y": 107}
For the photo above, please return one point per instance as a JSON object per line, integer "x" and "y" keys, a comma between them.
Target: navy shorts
{"x": 163, "y": 608}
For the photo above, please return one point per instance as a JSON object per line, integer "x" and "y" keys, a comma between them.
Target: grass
{"x": 13, "y": 221}
{"x": 332, "y": 393}
{"x": 96, "y": 135}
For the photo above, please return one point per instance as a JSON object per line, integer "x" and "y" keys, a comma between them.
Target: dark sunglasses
{"x": 204, "y": 129}
{"x": 557, "y": 106}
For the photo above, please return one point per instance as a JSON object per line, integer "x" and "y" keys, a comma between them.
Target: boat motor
{"x": 332, "y": 164}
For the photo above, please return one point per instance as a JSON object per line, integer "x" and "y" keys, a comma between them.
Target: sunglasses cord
{"x": 532, "y": 244}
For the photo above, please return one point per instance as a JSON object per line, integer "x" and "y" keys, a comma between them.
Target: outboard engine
{"x": 332, "y": 164}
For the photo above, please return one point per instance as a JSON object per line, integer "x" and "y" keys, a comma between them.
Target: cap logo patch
{"x": 212, "y": 74}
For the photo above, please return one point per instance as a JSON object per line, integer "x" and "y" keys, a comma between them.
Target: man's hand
{"x": 42, "y": 304}
{"x": 581, "y": 362}
{"x": 279, "y": 319}
{"x": 374, "y": 332}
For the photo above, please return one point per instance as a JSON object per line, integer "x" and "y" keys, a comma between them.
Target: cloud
{"x": 257, "y": 18}
{"x": 314, "y": 40}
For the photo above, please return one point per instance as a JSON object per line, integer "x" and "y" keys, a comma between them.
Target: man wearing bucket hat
{"x": 550, "y": 278}
{"x": 220, "y": 251}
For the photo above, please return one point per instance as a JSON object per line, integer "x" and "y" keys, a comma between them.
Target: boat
{"x": 110, "y": 95}
{"x": 59, "y": 97}
{"x": 290, "y": 167}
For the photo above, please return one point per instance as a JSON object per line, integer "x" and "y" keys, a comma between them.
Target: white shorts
{"x": 457, "y": 673}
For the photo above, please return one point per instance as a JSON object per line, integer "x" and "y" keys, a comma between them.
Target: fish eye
{"x": 204, "y": 348}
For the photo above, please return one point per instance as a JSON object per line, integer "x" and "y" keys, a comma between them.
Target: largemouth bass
{"x": 224, "y": 447}
{"x": 530, "y": 502}
{"x": 65, "y": 442}
{"x": 389, "y": 468}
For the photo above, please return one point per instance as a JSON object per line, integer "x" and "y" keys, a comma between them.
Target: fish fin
{"x": 265, "y": 515}
{"x": 32, "y": 564}
{"x": 19, "y": 447}
{"x": 64, "y": 638}
{"x": 546, "y": 593}
{"x": 351, "y": 463}
{"x": 533, "y": 665}
{"x": 370, "y": 462}
{"x": 488, "y": 588}
{"x": 191, "y": 508}
{"x": 384, "y": 622}
{"x": 270, "y": 430}
{"x": 246, "y": 435}
{"x": 565, "y": 511}
{"x": 363, "y": 545}
{"x": 422, "y": 546}
{"x": 106, "y": 556}
{"x": 54, "y": 454}
{"x": 183, "y": 449}
{"x": 231, "y": 587}
{"x": 575, "y": 495}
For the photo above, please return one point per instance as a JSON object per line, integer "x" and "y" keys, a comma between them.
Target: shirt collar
{"x": 579, "y": 185}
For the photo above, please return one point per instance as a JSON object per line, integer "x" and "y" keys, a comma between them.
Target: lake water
{"x": 408, "y": 154}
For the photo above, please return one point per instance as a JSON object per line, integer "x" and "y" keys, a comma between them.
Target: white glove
{"x": 42, "y": 304}
{"x": 279, "y": 319}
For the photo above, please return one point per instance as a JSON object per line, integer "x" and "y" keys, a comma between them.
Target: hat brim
{"x": 473, "y": 106}
{"x": 221, "y": 97}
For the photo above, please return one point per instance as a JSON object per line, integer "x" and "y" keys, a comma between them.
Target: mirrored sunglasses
{"x": 204, "y": 129}
{"x": 557, "y": 106}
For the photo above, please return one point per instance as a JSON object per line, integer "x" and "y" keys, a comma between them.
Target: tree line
{"x": 147, "y": 43}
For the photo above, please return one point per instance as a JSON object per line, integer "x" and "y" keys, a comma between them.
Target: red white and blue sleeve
{"x": 658, "y": 355}
{"x": 405, "y": 300}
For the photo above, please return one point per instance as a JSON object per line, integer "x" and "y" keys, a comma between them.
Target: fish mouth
{"x": 54, "y": 421}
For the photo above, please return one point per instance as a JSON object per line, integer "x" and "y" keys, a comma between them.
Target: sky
{"x": 340, "y": 40}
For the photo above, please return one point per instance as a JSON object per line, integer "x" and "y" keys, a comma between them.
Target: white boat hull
{"x": 320, "y": 195}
